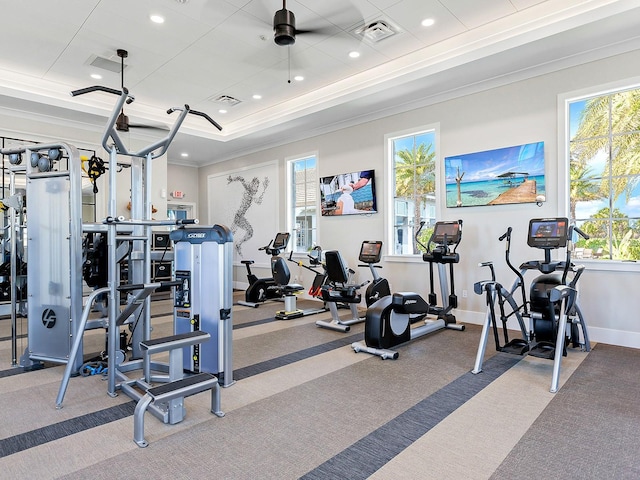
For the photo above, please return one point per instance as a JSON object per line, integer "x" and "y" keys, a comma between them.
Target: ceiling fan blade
{"x": 150, "y": 127}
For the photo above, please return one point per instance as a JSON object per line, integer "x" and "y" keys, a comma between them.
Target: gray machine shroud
{"x": 203, "y": 257}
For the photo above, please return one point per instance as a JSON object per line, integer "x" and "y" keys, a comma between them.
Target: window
{"x": 604, "y": 174}
{"x": 303, "y": 188}
{"x": 412, "y": 168}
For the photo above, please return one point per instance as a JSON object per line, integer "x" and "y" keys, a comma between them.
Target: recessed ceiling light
{"x": 185, "y": 154}
{"x": 157, "y": 19}
{"x": 427, "y": 22}
{"x": 257, "y": 97}
{"x": 96, "y": 76}
{"x": 354, "y": 54}
{"x": 298, "y": 78}
{"x": 222, "y": 110}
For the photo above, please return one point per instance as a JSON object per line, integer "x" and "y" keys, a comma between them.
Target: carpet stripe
{"x": 254, "y": 323}
{"x": 53, "y": 432}
{"x": 40, "y": 436}
{"x": 283, "y": 360}
{"x": 369, "y": 454}
{"x": 12, "y": 371}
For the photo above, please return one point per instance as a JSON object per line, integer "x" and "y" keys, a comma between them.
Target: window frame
{"x": 563, "y": 156}
{"x": 389, "y": 188}
{"x": 290, "y": 201}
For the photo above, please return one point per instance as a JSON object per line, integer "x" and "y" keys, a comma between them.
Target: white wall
{"x": 522, "y": 112}
{"x": 185, "y": 179}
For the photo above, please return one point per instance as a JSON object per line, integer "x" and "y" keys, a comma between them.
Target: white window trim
{"x": 563, "y": 164}
{"x": 289, "y": 179}
{"x": 389, "y": 206}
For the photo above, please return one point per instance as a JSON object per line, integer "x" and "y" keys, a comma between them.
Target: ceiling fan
{"x": 122, "y": 122}
{"x": 284, "y": 27}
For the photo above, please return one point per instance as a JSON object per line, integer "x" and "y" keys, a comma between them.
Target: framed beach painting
{"x": 496, "y": 177}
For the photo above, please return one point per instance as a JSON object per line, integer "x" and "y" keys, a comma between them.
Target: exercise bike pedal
{"x": 516, "y": 347}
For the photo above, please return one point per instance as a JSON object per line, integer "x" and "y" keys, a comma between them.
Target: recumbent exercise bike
{"x": 389, "y": 321}
{"x": 262, "y": 289}
{"x": 554, "y": 316}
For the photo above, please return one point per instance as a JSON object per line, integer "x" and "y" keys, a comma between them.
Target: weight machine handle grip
{"x": 140, "y": 286}
{"x": 96, "y": 88}
{"x": 195, "y": 112}
{"x": 207, "y": 117}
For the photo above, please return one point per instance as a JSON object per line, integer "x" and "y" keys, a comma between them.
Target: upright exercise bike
{"x": 389, "y": 321}
{"x": 262, "y": 289}
{"x": 370, "y": 253}
{"x": 555, "y": 319}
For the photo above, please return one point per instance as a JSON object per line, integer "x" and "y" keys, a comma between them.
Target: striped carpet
{"x": 306, "y": 406}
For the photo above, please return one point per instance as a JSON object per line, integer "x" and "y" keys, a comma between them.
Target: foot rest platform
{"x": 183, "y": 387}
{"x": 171, "y": 342}
{"x": 170, "y": 391}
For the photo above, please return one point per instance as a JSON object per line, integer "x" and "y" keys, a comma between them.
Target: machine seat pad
{"x": 288, "y": 289}
{"x": 345, "y": 293}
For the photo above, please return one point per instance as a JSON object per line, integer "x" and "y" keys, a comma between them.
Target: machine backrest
{"x": 280, "y": 271}
{"x": 337, "y": 271}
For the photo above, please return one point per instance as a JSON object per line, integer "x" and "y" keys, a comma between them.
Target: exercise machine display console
{"x": 548, "y": 233}
{"x": 370, "y": 254}
{"x": 447, "y": 233}
{"x": 370, "y": 251}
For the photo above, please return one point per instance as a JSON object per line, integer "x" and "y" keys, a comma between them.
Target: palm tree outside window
{"x": 604, "y": 171}
{"x": 414, "y": 189}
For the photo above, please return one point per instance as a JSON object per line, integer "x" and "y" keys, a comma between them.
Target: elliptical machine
{"x": 389, "y": 320}
{"x": 370, "y": 253}
{"x": 262, "y": 289}
{"x": 555, "y": 319}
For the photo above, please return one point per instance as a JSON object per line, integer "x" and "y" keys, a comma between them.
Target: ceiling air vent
{"x": 106, "y": 64}
{"x": 375, "y": 31}
{"x": 226, "y": 100}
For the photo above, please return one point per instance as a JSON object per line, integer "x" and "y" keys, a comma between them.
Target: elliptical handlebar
{"x": 507, "y": 255}
{"x": 573, "y": 228}
{"x": 506, "y": 235}
{"x": 418, "y": 234}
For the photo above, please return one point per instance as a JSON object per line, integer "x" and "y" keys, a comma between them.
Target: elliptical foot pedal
{"x": 516, "y": 347}
{"x": 544, "y": 350}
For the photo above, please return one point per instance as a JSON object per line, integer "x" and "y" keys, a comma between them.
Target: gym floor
{"x": 305, "y": 405}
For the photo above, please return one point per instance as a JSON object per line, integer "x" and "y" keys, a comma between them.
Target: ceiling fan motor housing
{"x": 284, "y": 27}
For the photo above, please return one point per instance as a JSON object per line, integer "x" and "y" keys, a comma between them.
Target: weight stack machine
{"x": 203, "y": 263}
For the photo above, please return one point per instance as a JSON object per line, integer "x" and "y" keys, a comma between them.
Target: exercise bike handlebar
{"x": 300, "y": 263}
